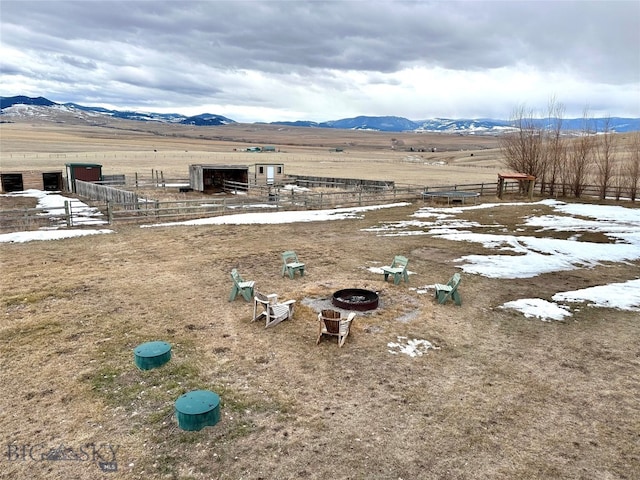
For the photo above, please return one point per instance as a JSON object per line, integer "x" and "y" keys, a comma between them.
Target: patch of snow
{"x": 623, "y": 296}
{"x": 280, "y": 217}
{"x": 22, "y": 237}
{"x": 537, "y": 307}
{"x": 412, "y": 347}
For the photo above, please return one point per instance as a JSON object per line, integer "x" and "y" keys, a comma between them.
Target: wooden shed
{"x": 268, "y": 173}
{"x": 32, "y": 179}
{"x": 214, "y": 178}
{"x": 87, "y": 172}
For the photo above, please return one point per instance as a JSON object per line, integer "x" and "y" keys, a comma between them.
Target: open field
{"x": 304, "y": 151}
{"x": 501, "y": 397}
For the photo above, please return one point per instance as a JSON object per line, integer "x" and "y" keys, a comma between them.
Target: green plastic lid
{"x": 197, "y": 409}
{"x": 152, "y": 354}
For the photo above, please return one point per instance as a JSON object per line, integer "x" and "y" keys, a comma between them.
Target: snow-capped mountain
{"x": 22, "y": 106}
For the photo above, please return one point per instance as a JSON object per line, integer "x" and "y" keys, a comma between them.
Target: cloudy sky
{"x": 325, "y": 60}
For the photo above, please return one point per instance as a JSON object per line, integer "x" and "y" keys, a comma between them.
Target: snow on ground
{"x": 537, "y": 307}
{"x": 625, "y": 296}
{"x": 524, "y": 257}
{"x": 22, "y": 237}
{"x": 53, "y": 206}
{"x": 529, "y": 256}
{"x": 279, "y": 217}
{"x": 410, "y": 346}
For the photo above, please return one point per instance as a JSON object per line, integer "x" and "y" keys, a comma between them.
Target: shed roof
{"x": 83, "y": 165}
{"x": 220, "y": 167}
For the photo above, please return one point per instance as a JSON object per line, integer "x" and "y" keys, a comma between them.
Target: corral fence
{"x": 99, "y": 192}
{"x": 25, "y": 219}
{"x": 346, "y": 183}
{"x": 266, "y": 200}
{"x": 137, "y": 180}
{"x": 122, "y": 206}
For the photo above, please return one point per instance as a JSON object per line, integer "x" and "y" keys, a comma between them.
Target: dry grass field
{"x": 137, "y": 147}
{"x": 501, "y": 397}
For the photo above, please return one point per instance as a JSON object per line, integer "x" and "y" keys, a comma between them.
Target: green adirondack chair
{"x": 291, "y": 264}
{"x": 398, "y": 269}
{"x": 241, "y": 287}
{"x": 449, "y": 291}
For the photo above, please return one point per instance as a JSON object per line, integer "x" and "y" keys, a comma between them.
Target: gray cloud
{"x": 239, "y": 54}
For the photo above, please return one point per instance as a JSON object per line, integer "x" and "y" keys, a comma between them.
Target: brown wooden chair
{"x": 273, "y": 311}
{"x": 330, "y": 322}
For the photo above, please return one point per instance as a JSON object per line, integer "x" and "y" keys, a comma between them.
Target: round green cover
{"x": 152, "y": 354}
{"x": 197, "y": 409}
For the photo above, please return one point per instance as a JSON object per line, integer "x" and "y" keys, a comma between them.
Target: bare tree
{"x": 555, "y": 148}
{"x": 522, "y": 150}
{"x": 579, "y": 157}
{"x": 618, "y": 181}
{"x": 632, "y": 166}
{"x": 604, "y": 158}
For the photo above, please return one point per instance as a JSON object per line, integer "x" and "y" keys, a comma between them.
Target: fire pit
{"x": 355, "y": 299}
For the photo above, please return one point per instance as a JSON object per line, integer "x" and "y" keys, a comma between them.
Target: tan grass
{"x": 503, "y": 397}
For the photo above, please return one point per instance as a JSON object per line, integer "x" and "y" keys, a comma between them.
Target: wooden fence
{"x": 284, "y": 200}
{"x": 130, "y": 208}
{"x": 25, "y": 219}
{"x": 104, "y": 193}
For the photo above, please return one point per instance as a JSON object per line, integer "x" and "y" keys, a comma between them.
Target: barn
{"x": 212, "y": 178}
{"x": 87, "y": 172}
{"x": 50, "y": 181}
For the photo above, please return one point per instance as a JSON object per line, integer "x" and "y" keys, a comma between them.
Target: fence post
{"x": 67, "y": 213}
{"x": 109, "y": 212}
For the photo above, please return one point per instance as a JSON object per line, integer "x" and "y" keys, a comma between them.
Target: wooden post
{"x": 67, "y": 213}
{"x": 109, "y": 212}
{"x": 530, "y": 189}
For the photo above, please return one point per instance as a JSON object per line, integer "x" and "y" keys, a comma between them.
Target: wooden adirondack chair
{"x": 268, "y": 307}
{"x": 398, "y": 269}
{"x": 241, "y": 287}
{"x": 449, "y": 291}
{"x": 330, "y": 322}
{"x": 291, "y": 264}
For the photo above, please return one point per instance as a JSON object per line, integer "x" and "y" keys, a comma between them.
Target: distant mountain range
{"x": 19, "y": 105}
